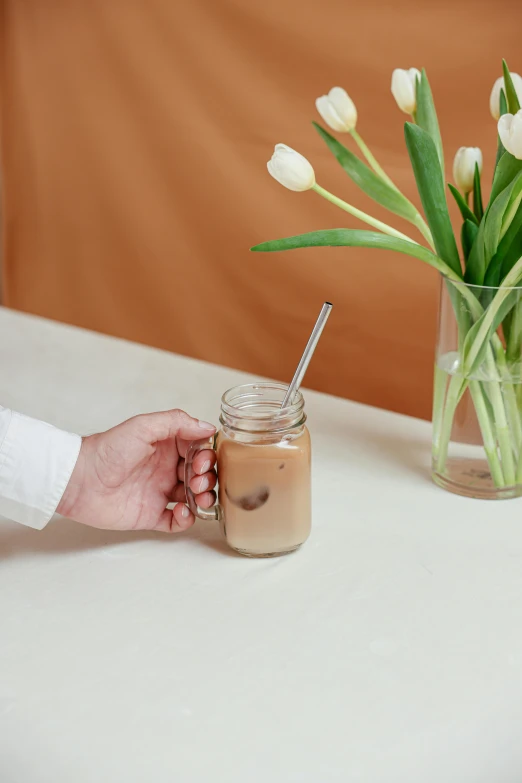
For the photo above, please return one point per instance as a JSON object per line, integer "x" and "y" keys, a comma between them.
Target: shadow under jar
{"x": 264, "y": 471}
{"x": 477, "y": 401}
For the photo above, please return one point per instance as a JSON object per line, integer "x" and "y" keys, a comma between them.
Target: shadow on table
{"x": 65, "y": 537}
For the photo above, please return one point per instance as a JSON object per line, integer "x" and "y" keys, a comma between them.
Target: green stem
{"x": 488, "y": 439}
{"x": 456, "y": 389}
{"x": 370, "y": 157}
{"x": 453, "y": 396}
{"x": 419, "y": 221}
{"x": 519, "y": 469}
{"x": 510, "y": 396}
{"x": 487, "y": 319}
{"x": 513, "y": 415}
{"x": 514, "y": 340}
{"x": 439, "y": 393}
{"x": 491, "y": 416}
{"x": 384, "y": 227}
{"x": 424, "y": 229}
{"x": 513, "y": 357}
{"x": 503, "y": 434}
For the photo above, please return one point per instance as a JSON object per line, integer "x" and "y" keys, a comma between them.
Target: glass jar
{"x": 264, "y": 471}
{"x": 477, "y": 401}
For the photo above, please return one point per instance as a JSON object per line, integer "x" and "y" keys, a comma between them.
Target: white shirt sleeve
{"x": 36, "y": 463}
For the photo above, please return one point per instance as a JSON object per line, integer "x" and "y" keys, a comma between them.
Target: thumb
{"x": 169, "y": 424}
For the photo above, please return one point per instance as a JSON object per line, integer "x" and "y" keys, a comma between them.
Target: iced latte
{"x": 264, "y": 491}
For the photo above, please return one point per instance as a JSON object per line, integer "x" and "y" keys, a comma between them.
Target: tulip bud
{"x": 494, "y": 100}
{"x": 464, "y": 167}
{"x": 510, "y": 132}
{"x": 291, "y": 169}
{"x": 338, "y": 110}
{"x": 404, "y": 89}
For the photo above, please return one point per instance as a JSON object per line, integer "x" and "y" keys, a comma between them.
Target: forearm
{"x": 36, "y": 463}
{"x": 70, "y": 504}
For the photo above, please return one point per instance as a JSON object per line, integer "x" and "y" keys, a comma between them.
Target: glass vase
{"x": 477, "y": 401}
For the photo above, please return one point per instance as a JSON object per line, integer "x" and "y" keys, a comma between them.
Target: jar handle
{"x": 214, "y": 513}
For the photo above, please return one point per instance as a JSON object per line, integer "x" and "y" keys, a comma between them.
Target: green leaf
{"x": 512, "y": 326}
{"x": 476, "y": 263}
{"x": 511, "y": 94}
{"x": 494, "y": 222}
{"x": 507, "y": 324}
{"x": 496, "y": 215}
{"x": 503, "y": 110}
{"x": 426, "y": 116}
{"x": 477, "y": 195}
{"x": 494, "y": 271}
{"x": 347, "y": 237}
{"x": 367, "y": 180}
{"x": 480, "y": 334}
{"x": 508, "y": 252}
{"x": 478, "y": 337}
{"x": 507, "y": 169}
{"x": 510, "y": 247}
{"x": 465, "y": 211}
{"x": 428, "y": 175}
{"x": 468, "y": 235}
{"x": 514, "y": 203}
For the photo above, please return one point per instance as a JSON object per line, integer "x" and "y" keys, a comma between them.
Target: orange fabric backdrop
{"x": 135, "y": 135}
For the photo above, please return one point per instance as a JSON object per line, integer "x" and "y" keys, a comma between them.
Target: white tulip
{"x": 510, "y": 132}
{"x": 494, "y": 101}
{"x": 404, "y": 88}
{"x": 338, "y": 110}
{"x": 291, "y": 169}
{"x": 464, "y": 167}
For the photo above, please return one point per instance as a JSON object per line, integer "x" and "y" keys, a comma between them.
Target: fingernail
{"x": 184, "y": 512}
{"x": 205, "y": 467}
{"x": 203, "y": 484}
{"x": 205, "y": 425}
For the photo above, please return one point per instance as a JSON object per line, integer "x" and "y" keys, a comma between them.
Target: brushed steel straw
{"x": 307, "y": 354}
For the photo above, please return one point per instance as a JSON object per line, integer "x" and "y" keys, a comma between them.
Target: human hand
{"x": 125, "y": 477}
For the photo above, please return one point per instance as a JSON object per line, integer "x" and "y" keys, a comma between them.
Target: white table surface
{"x": 388, "y": 650}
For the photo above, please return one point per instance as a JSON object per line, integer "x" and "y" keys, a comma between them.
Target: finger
{"x": 164, "y": 523}
{"x": 203, "y": 466}
{"x": 174, "y": 522}
{"x": 182, "y": 517}
{"x": 206, "y": 499}
{"x": 169, "y": 424}
{"x": 183, "y": 444}
{"x": 178, "y": 494}
{"x": 204, "y": 461}
{"x": 200, "y": 484}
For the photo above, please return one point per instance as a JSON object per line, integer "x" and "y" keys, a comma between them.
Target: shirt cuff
{"x": 36, "y": 463}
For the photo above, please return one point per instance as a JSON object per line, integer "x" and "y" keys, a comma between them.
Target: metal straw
{"x": 308, "y": 353}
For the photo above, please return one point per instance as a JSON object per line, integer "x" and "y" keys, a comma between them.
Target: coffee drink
{"x": 264, "y": 492}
